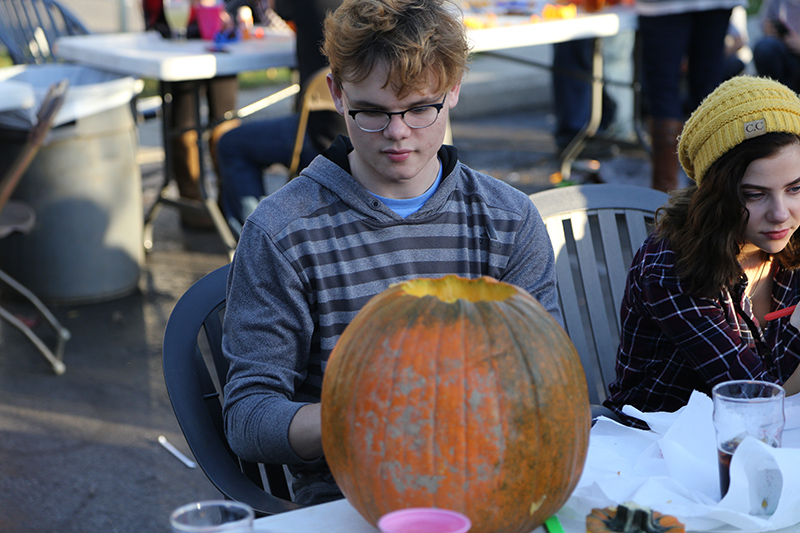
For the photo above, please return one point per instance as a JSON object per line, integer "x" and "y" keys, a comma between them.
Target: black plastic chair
{"x": 195, "y": 372}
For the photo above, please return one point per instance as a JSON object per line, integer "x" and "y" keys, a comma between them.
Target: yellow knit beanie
{"x": 739, "y": 109}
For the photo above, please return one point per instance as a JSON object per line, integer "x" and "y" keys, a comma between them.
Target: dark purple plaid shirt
{"x": 672, "y": 343}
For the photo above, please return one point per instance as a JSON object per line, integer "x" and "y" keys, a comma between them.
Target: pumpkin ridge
{"x": 398, "y": 335}
{"x": 462, "y": 470}
{"x": 513, "y": 320}
{"x": 383, "y": 314}
{"x": 421, "y": 312}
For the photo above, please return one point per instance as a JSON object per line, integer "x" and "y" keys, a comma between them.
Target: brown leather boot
{"x": 664, "y": 133}
{"x": 186, "y": 168}
{"x": 216, "y": 133}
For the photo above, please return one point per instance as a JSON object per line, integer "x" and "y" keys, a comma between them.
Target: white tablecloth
{"x": 341, "y": 517}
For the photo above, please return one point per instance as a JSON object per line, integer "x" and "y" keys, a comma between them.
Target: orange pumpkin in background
{"x": 460, "y": 394}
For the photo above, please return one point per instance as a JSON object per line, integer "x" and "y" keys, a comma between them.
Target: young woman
{"x": 722, "y": 256}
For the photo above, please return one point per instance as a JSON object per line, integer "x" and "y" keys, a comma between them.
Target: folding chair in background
{"x": 17, "y": 216}
{"x": 595, "y": 231}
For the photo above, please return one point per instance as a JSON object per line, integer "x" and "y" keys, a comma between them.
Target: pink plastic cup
{"x": 208, "y": 20}
{"x": 424, "y": 520}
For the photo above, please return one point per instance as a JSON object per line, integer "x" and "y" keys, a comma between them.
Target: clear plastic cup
{"x": 745, "y": 408}
{"x": 212, "y": 516}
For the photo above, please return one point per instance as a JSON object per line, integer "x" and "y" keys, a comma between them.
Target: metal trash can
{"x": 84, "y": 185}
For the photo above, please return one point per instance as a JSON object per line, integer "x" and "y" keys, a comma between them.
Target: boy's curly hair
{"x": 419, "y": 41}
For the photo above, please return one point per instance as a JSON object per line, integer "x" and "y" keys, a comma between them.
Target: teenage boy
{"x": 387, "y": 204}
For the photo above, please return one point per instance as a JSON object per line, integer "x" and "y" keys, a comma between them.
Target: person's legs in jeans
{"x": 706, "y": 53}
{"x": 664, "y": 43}
{"x": 221, "y": 93}
{"x": 183, "y": 143}
{"x": 244, "y": 153}
{"x": 572, "y": 96}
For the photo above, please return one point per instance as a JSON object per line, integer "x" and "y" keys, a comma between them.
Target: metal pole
{"x": 123, "y": 15}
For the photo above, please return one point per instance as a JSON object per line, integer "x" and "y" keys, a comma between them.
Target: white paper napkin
{"x": 673, "y": 469}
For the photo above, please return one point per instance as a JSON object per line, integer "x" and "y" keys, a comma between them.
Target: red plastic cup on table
{"x": 424, "y": 520}
{"x": 209, "y": 20}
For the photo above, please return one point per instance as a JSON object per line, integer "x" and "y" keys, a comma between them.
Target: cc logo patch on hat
{"x": 754, "y": 128}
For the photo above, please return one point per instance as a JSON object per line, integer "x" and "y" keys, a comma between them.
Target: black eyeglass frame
{"x": 389, "y": 114}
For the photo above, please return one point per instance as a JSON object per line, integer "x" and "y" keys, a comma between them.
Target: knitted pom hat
{"x": 740, "y": 108}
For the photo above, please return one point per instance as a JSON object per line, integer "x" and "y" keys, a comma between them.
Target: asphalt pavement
{"x": 80, "y": 452}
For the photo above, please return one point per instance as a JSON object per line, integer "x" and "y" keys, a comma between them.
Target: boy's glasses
{"x": 373, "y": 120}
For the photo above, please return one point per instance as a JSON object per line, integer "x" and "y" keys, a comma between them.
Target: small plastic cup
{"x": 212, "y": 516}
{"x": 424, "y": 520}
{"x": 209, "y": 20}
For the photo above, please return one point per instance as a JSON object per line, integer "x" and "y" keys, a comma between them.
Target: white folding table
{"x": 148, "y": 55}
{"x": 341, "y": 517}
{"x": 596, "y": 26}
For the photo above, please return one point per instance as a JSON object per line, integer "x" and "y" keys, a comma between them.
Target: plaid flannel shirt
{"x": 673, "y": 343}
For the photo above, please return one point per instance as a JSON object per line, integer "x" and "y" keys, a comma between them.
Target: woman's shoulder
{"x": 655, "y": 263}
{"x": 657, "y": 250}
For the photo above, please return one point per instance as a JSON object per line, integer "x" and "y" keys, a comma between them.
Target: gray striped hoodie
{"x": 315, "y": 251}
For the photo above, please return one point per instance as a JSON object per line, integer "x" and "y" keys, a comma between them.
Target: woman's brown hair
{"x": 705, "y": 225}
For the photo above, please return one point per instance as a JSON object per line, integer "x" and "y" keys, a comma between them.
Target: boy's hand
{"x": 305, "y": 432}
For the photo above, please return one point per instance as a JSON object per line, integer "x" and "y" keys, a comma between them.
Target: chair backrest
{"x": 195, "y": 372}
{"x": 316, "y": 97}
{"x": 595, "y": 230}
{"x": 29, "y": 29}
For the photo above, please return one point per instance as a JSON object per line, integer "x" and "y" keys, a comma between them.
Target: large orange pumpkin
{"x": 460, "y": 394}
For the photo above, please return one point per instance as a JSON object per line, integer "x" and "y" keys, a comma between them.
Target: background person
{"x": 738, "y": 55}
{"x": 572, "y": 96}
{"x": 777, "y": 55}
{"x": 220, "y": 92}
{"x": 724, "y": 253}
{"x": 388, "y": 204}
{"x": 671, "y": 31}
{"x": 246, "y": 151}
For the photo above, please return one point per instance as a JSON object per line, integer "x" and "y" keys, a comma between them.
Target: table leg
{"x": 575, "y": 146}
{"x": 165, "y": 88}
{"x": 637, "y": 95}
{"x": 211, "y": 205}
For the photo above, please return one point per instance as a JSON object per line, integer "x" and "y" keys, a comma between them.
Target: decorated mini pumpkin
{"x": 631, "y": 518}
{"x": 460, "y": 394}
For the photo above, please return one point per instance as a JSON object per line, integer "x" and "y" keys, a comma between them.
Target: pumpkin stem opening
{"x": 452, "y": 288}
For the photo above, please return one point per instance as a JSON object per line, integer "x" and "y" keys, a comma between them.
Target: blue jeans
{"x": 666, "y": 41}
{"x": 774, "y": 60}
{"x": 243, "y": 154}
{"x": 572, "y": 96}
